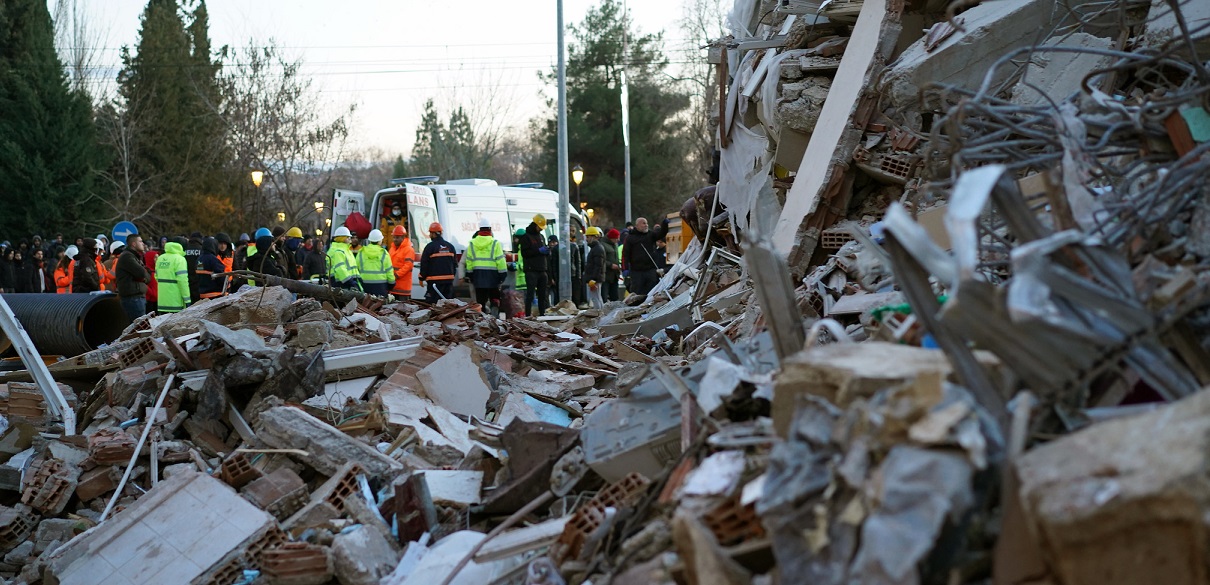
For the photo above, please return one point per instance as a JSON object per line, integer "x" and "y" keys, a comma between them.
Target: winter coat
{"x": 534, "y": 250}
{"x": 209, "y": 263}
{"x": 403, "y": 258}
{"x": 438, "y": 261}
{"x": 172, "y": 274}
{"x": 131, "y": 275}
{"x": 485, "y": 262}
{"x": 595, "y": 268}
{"x": 87, "y": 273}
{"x": 639, "y": 252}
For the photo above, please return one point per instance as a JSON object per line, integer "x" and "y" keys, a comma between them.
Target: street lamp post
{"x": 257, "y": 178}
{"x": 577, "y": 175}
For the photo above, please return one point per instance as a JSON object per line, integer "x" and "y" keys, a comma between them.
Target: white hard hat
{"x": 375, "y": 236}
{"x": 485, "y": 224}
{"x": 113, "y": 246}
{"x": 71, "y": 251}
{"x": 342, "y": 231}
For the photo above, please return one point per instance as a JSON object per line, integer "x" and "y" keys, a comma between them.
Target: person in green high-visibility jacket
{"x": 374, "y": 265}
{"x": 342, "y": 264}
{"x": 485, "y": 266}
{"x": 172, "y": 278}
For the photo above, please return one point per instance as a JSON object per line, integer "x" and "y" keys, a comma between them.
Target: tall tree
{"x": 277, "y": 123}
{"x": 48, "y": 152}
{"x": 453, "y": 149}
{"x": 169, "y": 84}
{"x": 658, "y": 143}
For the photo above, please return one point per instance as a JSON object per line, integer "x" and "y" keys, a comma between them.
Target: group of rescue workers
{"x": 181, "y": 271}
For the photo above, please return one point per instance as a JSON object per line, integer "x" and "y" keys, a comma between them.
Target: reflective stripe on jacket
{"x": 342, "y": 265}
{"x": 403, "y": 258}
{"x": 172, "y": 274}
{"x": 374, "y": 265}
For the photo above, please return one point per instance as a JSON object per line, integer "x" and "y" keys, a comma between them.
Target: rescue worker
{"x": 535, "y": 255}
{"x": 132, "y": 278}
{"x": 193, "y": 251}
{"x": 241, "y": 252}
{"x": 403, "y": 258}
{"x": 63, "y": 270}
{"x": 518, "y": 269}
{"x": 267, "y": 259}
{"x": 226, "y": 255}
{"x": 294, "y": 238}
{"x": 374, "y": 265}
{"x": 115, "y": 249}
{"x": 209, "y": 264}
{"x": 250, "y": 260}
{"x": 438, "y": 264}
{"x": 86, "y": 273}
{"x": 640, "y": 256}
{"x": 342, "y": 265}
{"x": 485, "y": 265}
{"x": 393, "y": 218}
{"x": 613, "y": 264}
{"x": 315, "y": 263}
{"x": 172, "y": 274}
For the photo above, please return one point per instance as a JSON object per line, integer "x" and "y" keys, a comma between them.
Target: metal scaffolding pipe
{"x": 67, "y": 324}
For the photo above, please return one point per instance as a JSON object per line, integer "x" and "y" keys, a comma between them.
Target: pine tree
{"x": 48, "y": 153}
{"x": 169, "y": 86}
{"x": 658, "y": 142}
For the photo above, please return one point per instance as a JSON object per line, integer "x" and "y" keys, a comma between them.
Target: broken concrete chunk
{"x": 1059, "y": 74}
{"x": 454, "y": 487}
{"x": 457, "y": 383}
{"x": 311, "y": 334}
{"x": 421, "y": 316}
{"x": 362, "y": 557}
{"x": 549, "y": 351}
{"x": 327, "y": 449}
{"x": 803, "y": 104}
{"x": 1109, "y": 502}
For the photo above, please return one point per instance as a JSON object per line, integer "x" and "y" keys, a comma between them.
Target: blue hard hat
{"x": 263, "y": 233}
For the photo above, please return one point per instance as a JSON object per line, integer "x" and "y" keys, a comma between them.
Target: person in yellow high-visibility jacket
{"x": 172, "y": 276}
{"x": 374, "y": 266}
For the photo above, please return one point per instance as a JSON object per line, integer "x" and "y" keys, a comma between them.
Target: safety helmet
{"x": 244, "y": 238}
{"x": 520, "y": 233}
{"x": 71, "y": 251}
{"x": 540, "y": 220}
{"x": 375, "y": 236}
{"x": 435, "y": 227}
{"x": 485, "y": 223}
{"x": 263, "y": 233}
{"x": 294, "y": 232}
{"x": 593, "y": 231}
{"x": 113, "y": 246}
{"x": 342, "y": 231}
{"x": 399, "y": 231}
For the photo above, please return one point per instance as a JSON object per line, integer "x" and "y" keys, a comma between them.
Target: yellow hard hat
{"x": 540, "y": 221}
{"x": 593, "y": 231}
{"x": 294, "y": 232}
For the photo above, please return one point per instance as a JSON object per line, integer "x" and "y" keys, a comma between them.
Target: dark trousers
{"x": 642, "y": 281}
{"x": 134, "y": 307}
{"x": 539, "y": 286}
{"x": 579, "y": 290}
{"x": 611, "y": 286}
{"x": 445, "y": 287}
{"x": 380, "y": 289}
{"x": 487, "y": 296}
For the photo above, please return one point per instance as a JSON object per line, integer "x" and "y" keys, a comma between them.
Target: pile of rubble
{"x": 964, "y": 342}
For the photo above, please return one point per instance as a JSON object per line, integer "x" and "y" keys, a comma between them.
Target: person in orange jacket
{"x": 63, "y": 272}
{"x": 403, "y": 258}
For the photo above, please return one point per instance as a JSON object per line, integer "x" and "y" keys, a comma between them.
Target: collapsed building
{"x": 944, "y": 319}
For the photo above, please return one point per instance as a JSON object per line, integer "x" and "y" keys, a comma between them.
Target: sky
{"x": 389, "y": 56}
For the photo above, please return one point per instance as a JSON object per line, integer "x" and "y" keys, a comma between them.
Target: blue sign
{"x": 123, "y": 229}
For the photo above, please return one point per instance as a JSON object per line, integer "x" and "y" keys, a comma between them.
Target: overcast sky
{"x": 389, "y": 56}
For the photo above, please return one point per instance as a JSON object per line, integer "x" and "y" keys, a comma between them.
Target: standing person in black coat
{"x": 577, "y": 251}
{"x": 316, "y": 261}
{"x": 85, "y": 276}
{"x": 640, "y": 254}
{"x": 535, "y": 256}
{"x": 8, "y": 272}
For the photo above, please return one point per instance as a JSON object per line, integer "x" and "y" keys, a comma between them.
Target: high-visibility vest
{"x": 374, "y": 265}
{"x": 520, "y": 282}
{"x": 172, "y": 274}
{"x": 342, "y": 265}
{"x": 485, "y": 253}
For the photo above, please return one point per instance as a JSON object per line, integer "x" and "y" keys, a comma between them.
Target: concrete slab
{"x": 454, "y": 486}
{"x": 456, "y": 383}
{"x": 188, "y": 523}
{"x": 1059, "y": 74}
{"x": 327, "y": 448}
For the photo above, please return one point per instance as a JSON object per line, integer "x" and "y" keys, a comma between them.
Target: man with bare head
{"x": 639, "y": 254}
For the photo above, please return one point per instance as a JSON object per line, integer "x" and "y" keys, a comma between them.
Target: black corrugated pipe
{"x": 67, "y": 324}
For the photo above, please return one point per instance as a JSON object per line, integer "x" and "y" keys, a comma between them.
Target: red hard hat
{"x": 399, "y": 231}
{"x": 435, "y": 227}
